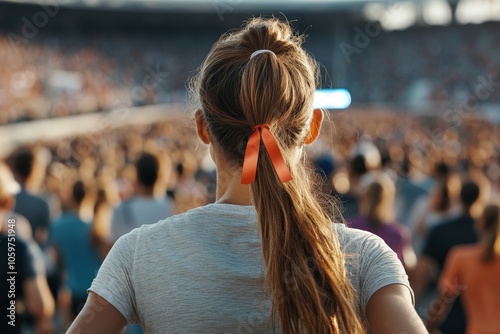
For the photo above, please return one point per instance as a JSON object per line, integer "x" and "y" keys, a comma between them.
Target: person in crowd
{"x": 27, "y": 170}
{"x": 24, "y": 283}
{"x": 29, "y": 205}
{"x": 10, "y": 188}
{"x": 103, "y": 211}
{"x": 439, "y": 241}
{"x": 438, "y": 206}
{"x": 407, "y": 192}
{"x": 70, "y": 236}
{"x": 473, "y": 272}
{"x": 188, "y": 193}
{"x": 377, "y": 216}
{"x": 143, "y": 207}
{"x": 350, "y": 201}
{"x": 31, "y": 291}
{"x": 202, "y": 271}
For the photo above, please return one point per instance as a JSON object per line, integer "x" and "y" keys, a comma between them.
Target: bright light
{"x": 400, "y": 16}
{"x": 477, "y": 11}
{"x": 471, "y": 11}
{"x": 437, "y": 12}
{"x": 397, "y": 16}
{"x": 341, "y": 183}
{"x": 332, "y": 99}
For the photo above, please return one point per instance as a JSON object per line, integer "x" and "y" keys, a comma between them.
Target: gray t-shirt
{"x": 202, "y": 272}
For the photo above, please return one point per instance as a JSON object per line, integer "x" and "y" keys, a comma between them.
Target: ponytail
{"x": 305, "y": 265}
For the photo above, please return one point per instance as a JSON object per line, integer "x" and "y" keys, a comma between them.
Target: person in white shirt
{"x": 144, "y": 207}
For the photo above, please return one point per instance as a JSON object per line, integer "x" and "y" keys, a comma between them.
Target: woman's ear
{"x": 315, "y": 126}
{"x": 201, "y": 127}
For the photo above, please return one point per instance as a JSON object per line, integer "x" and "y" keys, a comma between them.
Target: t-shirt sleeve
{"x": 114, "y": 281}
{"x": 449, "y": 282}
{"x": 379, "y": 267}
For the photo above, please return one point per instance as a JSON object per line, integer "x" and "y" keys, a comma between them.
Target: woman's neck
{"x": 229, "y": 187}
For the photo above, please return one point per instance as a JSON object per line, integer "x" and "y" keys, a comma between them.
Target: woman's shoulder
{"x": 367, "y": 247}
{"x": 356, "y": 241}
{"x": 366, "y": 251}
{"x": 370, "y": 263}
{"x": 463, "y": 252}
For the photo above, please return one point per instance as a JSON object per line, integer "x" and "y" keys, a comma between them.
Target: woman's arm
{"x": 390, "y": 311}
{"x": 98, "y": 317}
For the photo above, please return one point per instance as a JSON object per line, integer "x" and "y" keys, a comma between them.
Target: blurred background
{"x": 96, "y": 131}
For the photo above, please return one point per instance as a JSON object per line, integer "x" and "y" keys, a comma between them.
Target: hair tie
{"x": 258, "y": 52}
{"x": 252, "y": 155}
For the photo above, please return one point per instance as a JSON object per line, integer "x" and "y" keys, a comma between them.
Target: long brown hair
{"x": 491, "y": 228}
{"x": 304, "y": 262}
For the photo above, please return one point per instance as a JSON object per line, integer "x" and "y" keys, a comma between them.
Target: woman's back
{"x": 467, "y": 273}
{"x": 203, "y": 272}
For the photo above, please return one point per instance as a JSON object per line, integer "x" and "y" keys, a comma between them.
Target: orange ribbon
{"x": 252, "y": 155}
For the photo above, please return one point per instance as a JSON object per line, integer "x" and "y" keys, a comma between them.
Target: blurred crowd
{"x": 66, "y": 74}
{"x": 72, "y": 199}
{"x": 421, "y": 184}
{"x": 428, "y": 66}
{"x": 69, "y": 73}
{"x": 431, "y": 191}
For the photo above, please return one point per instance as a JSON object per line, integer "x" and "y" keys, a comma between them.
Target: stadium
{"x": 100, "y": 133}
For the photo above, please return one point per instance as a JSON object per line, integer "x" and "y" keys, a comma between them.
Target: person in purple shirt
{"x": 377, "y": 216}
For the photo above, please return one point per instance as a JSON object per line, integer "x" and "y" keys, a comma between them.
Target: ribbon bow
{"x": 252, "y": 155}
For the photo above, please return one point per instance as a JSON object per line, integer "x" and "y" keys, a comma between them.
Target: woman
{"x": 265, "y": 255}
{"x": 377, "y": 216}
{"x": 437, "y": 207}
{"x": 474, "y": 272}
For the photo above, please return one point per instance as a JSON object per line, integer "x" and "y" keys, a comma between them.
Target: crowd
{"x": 422, "y": 191}
{"x": 64, "y": 74}
{"x": 427, "y": 66}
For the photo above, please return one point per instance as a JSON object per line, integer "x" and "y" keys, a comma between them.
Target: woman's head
{"x": 238, "y": 92}
{"x": 377, "y": 199}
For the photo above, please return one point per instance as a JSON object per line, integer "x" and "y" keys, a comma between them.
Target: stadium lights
{"x": 332, "y": 99}
{"x": 436, "y": 12}
{"x": 392, "y": 15}
{"x": 477, "y": 11}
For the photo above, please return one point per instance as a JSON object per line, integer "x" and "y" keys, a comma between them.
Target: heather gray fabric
{"x": 201, "y": 272}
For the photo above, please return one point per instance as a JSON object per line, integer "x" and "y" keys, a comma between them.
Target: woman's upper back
{"x": 202, "y": 271}
{"x": 466, "y": 273}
